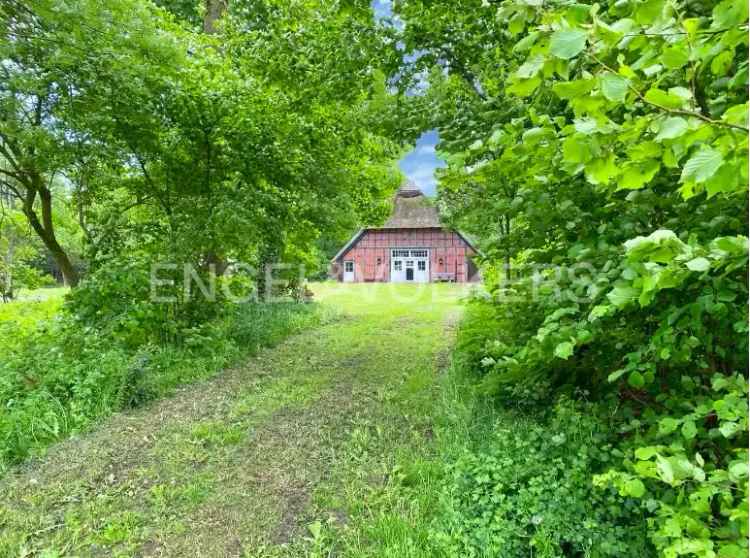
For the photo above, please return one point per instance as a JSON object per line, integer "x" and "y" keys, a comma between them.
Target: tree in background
{"x": 18, "y": 252}
{"x": 61, "y": 65}
{"x": 182, "y": 144}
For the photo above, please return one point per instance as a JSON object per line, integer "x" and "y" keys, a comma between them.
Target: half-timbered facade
{"x": 411, "y": 247}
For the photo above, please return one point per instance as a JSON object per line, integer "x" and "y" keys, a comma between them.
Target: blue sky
{"x": 382, "y": 8}
{"x": 419, "y": 164}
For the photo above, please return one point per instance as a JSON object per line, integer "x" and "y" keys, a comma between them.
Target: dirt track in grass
{"x": 276, "y": 457}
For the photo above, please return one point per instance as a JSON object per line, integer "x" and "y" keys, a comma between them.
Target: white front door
{"x": 398, "y": 275}
{"x": 410, "y": 265}
{"x": 349, "y": 271}
{"x": 422, "y": 271}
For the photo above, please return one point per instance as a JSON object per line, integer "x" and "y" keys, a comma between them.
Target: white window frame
{"x": 414, "y": 253}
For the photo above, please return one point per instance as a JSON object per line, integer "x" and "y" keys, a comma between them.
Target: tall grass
{"x": 57, "y": 378}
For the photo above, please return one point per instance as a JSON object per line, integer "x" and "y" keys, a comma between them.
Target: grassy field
{"x": 328, "y": 444}
{"x": 29, "y": 310}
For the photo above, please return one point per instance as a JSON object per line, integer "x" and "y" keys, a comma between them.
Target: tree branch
{"x": 12, "y": 188}
{"x": 668, "y": 109}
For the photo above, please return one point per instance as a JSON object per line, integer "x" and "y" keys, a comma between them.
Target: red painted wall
{"x": 376, "y": 245}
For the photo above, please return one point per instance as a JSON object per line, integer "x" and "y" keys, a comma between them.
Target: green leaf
{"x": 736, "y": 115}
{"x": 681, "y": 92}
{"x": 573, "y": 89}
{"x": 648, "y": 11}
{"x": 668, "y": 425}
{"x": 664, "y": 470}
{"x": 564, "y": 350}
{"x": 496, "y": 136}
{"x": 671, "y": 128}
{"x": 637, "y": 175}
{"x": 534, "y": 135}
{"x": 664, "y": 99}
{"x": 702, "y": 165}
{"x": 675, "y": 57}
{"x": 527, "y": 42}
{"x": 601, "y": 171}
{"x": 730, "y": 13}
{"x": 576, "y": 149}
{"x": 586, "y": 126}
{"x": 646, "y": 452}
{"x": 737, "y": 245}
{"x": 634, "y": 488}
{"x": 738, "y": 470}
{"x": 531, "y": 67}
{"x": 524, "y": 87}
{"x": 566, "y": 44}
{"x": 691, "y": 25}
{"x": 721, "y": 64}
{"x": 645, "y": 150}
{"x": 636, "y": 379}
{"x": 516, "y": 24}
{"x": 599, "y": 311}
{"x": 728, "y": 429}
{"x": 614, "y": 87}
{"x": 699, "y": 264}
{"x": 689, "y": 430}
{"x": 622, "y": 295}
{"x": 660, "y": 246}
{"x": 732, "y": 550}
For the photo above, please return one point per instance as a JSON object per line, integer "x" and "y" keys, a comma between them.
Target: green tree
{"x": 603, "y": 150}
{"x": 64, "y": 64}
{"x": 18, "y": 251}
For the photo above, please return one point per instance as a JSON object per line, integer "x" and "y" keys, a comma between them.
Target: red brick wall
{"x": 374, "y": 245}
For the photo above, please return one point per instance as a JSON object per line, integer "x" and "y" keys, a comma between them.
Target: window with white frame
{"x": 400, "y": 253}
{"x": 419, "y": 253}
{"x": 397, "y": 265}
{"x": 349, "y": 267}
{"x": 422, "y": 265}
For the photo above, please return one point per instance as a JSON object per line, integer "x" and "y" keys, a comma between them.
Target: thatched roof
{"x": 412, "y": 210}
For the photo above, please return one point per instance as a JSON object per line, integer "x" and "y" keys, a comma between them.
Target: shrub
{"x": 57, "y": 377}
{"x": 528, "y": 490}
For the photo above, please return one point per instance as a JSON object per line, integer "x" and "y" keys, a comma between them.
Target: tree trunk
{"x": 7, "y": 283}
{"x": 214, "y": 10}
{"x": 46, "y": 231}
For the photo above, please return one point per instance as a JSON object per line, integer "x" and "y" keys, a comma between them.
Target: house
{"x": 411, "y": 247}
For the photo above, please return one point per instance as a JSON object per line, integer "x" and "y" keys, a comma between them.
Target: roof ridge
{"x": 409, "y": 189}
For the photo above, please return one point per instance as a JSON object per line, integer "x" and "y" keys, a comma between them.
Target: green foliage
{"x": 18, "y": 251}
{"x": 599, "y": 153}
{"x": 188, "y": 147}
{"x": 529, "y": 489}
{"x": 58, "y": 376}
{"x": 687, "y": 462}
{"x": 132, "y": 137}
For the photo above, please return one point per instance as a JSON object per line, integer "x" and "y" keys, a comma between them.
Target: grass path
{"x": 321, "y": 446}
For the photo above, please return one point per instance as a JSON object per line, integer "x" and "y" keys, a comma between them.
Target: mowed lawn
{"x": 326, "y": 445}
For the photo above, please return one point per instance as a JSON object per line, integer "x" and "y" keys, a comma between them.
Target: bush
{"x": 663, "y": 355}
{"x": 57, "y": 377}
{"x": 528, "y": 490}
